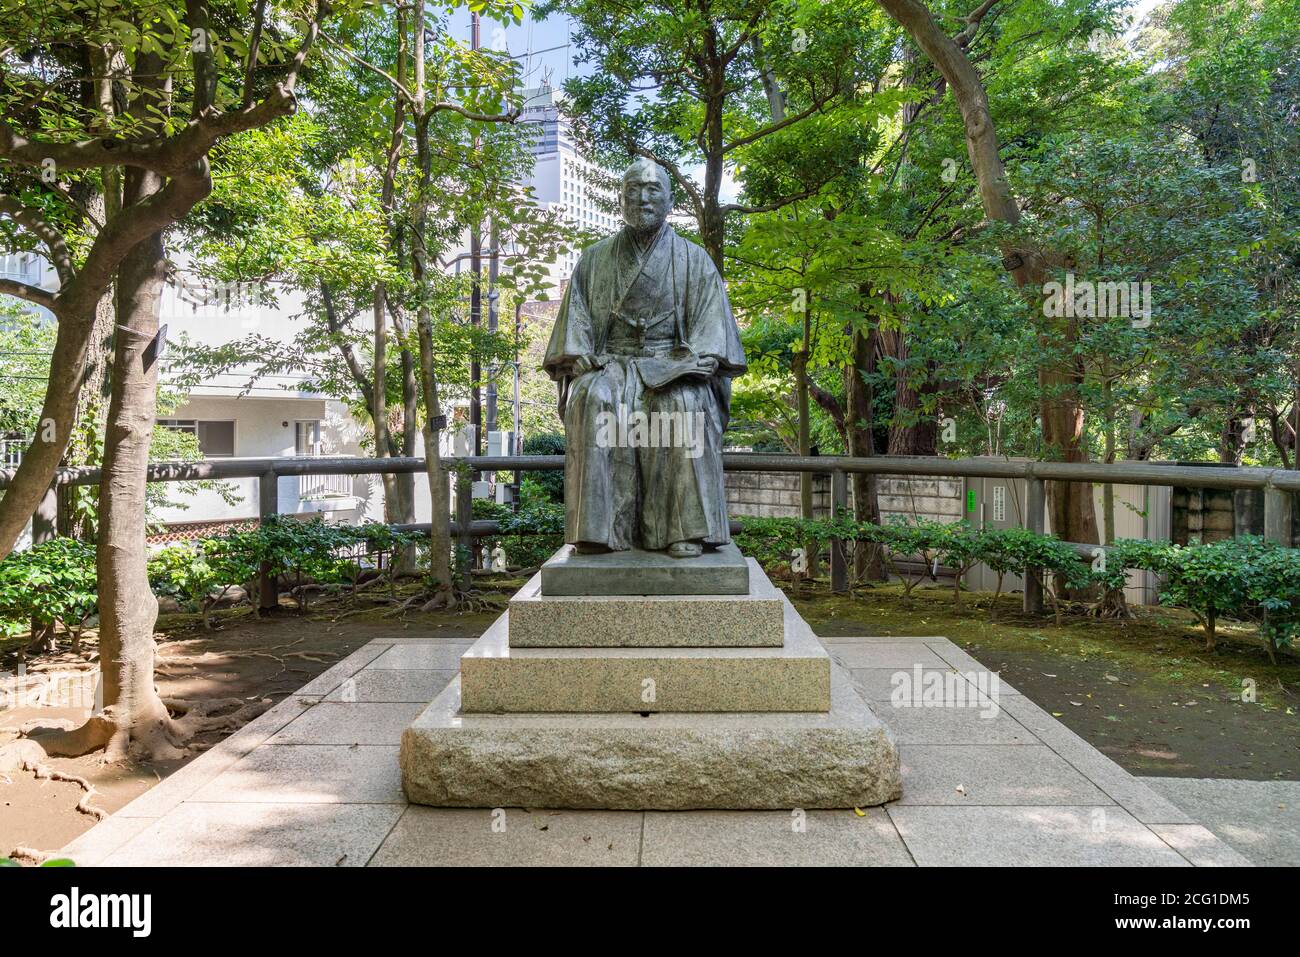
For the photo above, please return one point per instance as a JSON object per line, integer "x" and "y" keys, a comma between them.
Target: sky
{"x": 542, "y": 46}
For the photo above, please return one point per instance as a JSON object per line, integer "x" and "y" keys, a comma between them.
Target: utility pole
{"x": 518, "y": 439}
{"x": 494, "y": 297}
{"x": 475, "y": 294}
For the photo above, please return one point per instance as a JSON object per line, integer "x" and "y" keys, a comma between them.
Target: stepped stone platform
{"x": 755, "y": 619}
{"x": 315, "y": 782}
{"x": 794, "y": 676}
{"x": 660, "y": 712}
{"x": 720, "y": 571}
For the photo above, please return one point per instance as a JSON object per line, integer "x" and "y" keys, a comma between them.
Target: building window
{"x": 216, "y": 438}
{"x": 12, "y": 447}
{"x": 306, "y": 437}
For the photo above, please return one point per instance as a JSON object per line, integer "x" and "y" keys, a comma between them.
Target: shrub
{"x": 531, "y": 535}
{"x": 772, "y": 541}
{"x": 202, "y": 572}
{"x": 920, "y": 539}
{"x": 48, "y": 584}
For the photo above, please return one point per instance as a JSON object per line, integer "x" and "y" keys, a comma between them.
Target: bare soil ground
{"x": 1144, "y": 692}
{"x": 246, "y": 657}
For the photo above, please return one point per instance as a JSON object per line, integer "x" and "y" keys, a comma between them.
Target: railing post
{"x": 1277, "y": 516}
{"x": 465, "y": 519}
{"x": 268, "y": 506}
{"x": 44, "y": 525}
{"x": 45, "y": 518}
{"x": 1035, "y": 514}
{"x": 839, "y": 504}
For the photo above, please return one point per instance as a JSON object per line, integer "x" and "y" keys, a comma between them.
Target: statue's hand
{"x": 702, "y": 368}
{"x": 585, "y": 364}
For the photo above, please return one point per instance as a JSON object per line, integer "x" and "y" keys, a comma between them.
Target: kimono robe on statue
{"x": 640, "y": 314}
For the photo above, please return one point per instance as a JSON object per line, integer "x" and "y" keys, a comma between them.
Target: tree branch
{"x": 32, "y": 220}
{"x": 35, "y": 294}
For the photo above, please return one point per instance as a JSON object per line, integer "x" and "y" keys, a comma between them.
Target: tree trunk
{"x": 1070, "y": 503}
{"x": 440, "y": 568}
{"x": 805, "y": 444}
{"x": 860, "y": 442}
{"x": 127, "y": 607}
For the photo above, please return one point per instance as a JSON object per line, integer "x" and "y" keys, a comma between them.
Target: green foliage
{"x": 1247, "y": 577}
{"x": 1244, "y": 577}
{"x": 550, "y": 482}
{"x": 530, "y": 535}
{"x": 49, "y": 583}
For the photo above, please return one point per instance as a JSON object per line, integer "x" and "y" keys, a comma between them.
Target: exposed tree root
{"x": 30, "y": 855}
{"x": 155, "y": 735}
{"x": 47, "y": 773}
{"x": 1112, "y": 606}
{"x": 29, "y": 754}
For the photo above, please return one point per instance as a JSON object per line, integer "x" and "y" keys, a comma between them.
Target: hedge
{"x": 1248, "y": 578}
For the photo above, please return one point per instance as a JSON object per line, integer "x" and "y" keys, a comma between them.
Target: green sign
{"x": 970, "y": 500}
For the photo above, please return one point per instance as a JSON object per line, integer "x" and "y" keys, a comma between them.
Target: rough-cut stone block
{"x": 648, "y": 621}
{"x": 837, "y": 759}
{"x": 721, "y": 571}
{"x": 794, "y": 677}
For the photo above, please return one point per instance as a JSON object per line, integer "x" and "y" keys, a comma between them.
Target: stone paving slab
{"x": 331, "y": 678}
{"x": 1030, "y": 837}
{"x": 390, "y": 686}
{"x": 773, "y": 839}
{"x": 1199, "y": 845}
{"x": 433, "y": 656}
{"x": 1000, "y": 774}
{"x": 342, "y": 722}
{"x": 1260, "y": 819}
{"x": 453, "y": 837}
{"x": 310, "y": 783}
{"x": 968, "y": 725}
{"x": 1130, "y": 793}
{"x": 310, "y": 774}
{"x": 260, "y": 835}
{"x": 882, "y": 684}
{"x": 883, "y": 654}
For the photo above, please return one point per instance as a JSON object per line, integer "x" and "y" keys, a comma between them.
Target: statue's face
{"x": 646, "y": 198}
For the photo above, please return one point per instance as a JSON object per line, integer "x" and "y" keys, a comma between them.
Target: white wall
{"x": 264, "y": 427}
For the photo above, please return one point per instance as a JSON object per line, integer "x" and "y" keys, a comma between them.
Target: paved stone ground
{"x": 1261, "y": 819}
{"x": 314, "y": 781}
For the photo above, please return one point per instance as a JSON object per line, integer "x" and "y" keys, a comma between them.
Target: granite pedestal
{"x": 654, "y": 712}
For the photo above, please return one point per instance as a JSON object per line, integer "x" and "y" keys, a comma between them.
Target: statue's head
{"x": 647, "y": 195}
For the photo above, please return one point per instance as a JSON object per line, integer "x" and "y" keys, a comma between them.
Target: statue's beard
{"x": 643, "y": 223}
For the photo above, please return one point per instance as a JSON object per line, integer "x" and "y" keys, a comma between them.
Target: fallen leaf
{"x": 859, "y": 812}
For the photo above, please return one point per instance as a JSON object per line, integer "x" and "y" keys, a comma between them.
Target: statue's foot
{"x": 590, "y": 548}
{"x": 685, "y": 549}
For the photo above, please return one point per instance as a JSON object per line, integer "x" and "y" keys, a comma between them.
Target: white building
{"x": 561, "y": 180}
{"x": 565, "y": 180}
{"x": 241, "y": 415}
